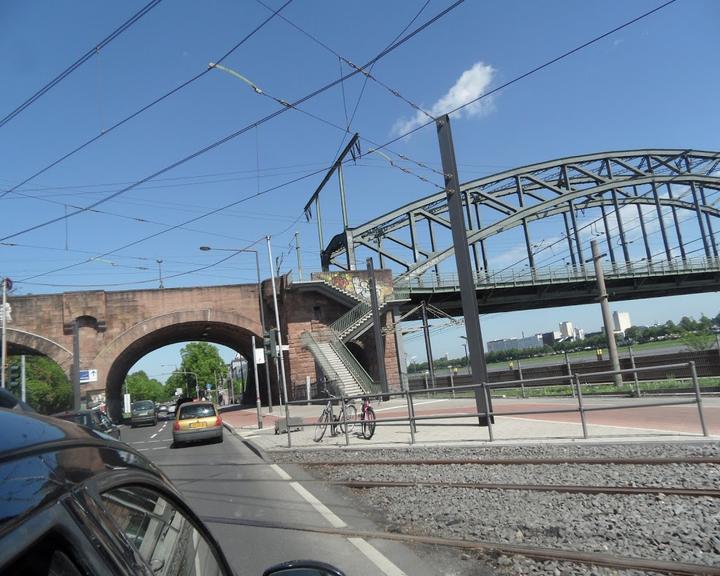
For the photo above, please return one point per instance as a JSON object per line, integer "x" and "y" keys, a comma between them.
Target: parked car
{"x": 94, "y": 419}
{"x": 143, "y": 412}
{"x": 75, "y": 503}
{"x": 196, "y": 421}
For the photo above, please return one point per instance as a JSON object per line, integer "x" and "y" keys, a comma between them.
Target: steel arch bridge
{"x": 650, "y": 206}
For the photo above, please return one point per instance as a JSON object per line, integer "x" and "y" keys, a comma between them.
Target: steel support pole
{"x": 621, "y": 228}
{"x": 698, "y": 398}
{"x": 605, "y": 308}
{"x": 581, "y": 408}
{"x": 468, "y": 213}
{"x": 661, "y": 220}
{"x": 608, "y": 238}
{"x": 522, "y": 381}
{"x": 635, "y": 376}
{"x": 569, "y": 371}
{"x": 428, "y": 345}
{"x": 578, "y": 243}
{"x": 298, "y": 255}
{"x": 3, "y": 315}
{"x": 76, "y": 365}
{"x": 643, "y": 230}
{"x": 701, "y": 225}
{"x": 22, "y": 377}
{"x": 413, "y": 236}
{"x": 377, "y": 329}
{"x": 400, "y": 349}
{"x": 676, "y": 222}
{"x": 528, "y": 245}
{"x": 711, "y": 234}
{"x": 482, "y": 242}
{"x": 432, "y": 240}
{"x": 279, "y": 341}
{"x": 468, "y": 295}
{"x": 569, "y": 240}
{"x": 257, "y": 387}
{"x": 262, "y": 327}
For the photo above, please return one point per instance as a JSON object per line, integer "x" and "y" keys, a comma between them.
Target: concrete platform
{"x": 620, "y": 424}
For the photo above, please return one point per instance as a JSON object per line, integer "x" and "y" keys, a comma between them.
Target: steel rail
{"x": 535, "y": 552}
{"x": 517, "y": 461}
{"x": 574, "y": 489}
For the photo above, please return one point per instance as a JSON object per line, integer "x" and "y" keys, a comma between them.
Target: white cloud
{"x": 471, "y": 84}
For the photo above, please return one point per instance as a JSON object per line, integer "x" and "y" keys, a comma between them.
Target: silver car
{"x": 143, "y": 412}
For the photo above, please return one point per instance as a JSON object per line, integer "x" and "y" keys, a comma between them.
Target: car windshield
{"x": 143, "y": 405}
{"x": 196, "y": 411}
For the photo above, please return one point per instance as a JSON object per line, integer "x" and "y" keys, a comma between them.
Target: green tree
{"x": 200, "y": 360}
{"x": 141, "y": 387}
{"x": 698, "y": 341}
{"x": 47, "y": 388}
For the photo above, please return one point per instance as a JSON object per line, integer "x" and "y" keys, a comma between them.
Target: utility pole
{"x": 468, "y": 296}
{"x": 257, "y": 389}
{"x": 299, "y": 257}
{"x": 428, "y": 345}
{"x": 76, "y": 365}
{"x": 22, "y": 377}
{"x": 605, "y": 308}
{"x": 279, "y": 339}
{"x": 377, "y": 330}
{"x": 4, "y": 316}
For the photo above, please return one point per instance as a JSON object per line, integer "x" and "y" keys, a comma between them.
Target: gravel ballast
{"x": 658, "y": 527}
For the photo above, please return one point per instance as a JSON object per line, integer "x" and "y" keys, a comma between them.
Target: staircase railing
{"x": 350, "y": 318}
{"x": 351, "y": 363}
{"x": 311, "y": 344}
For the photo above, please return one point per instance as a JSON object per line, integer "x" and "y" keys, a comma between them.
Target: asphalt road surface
{"x": 236, "y": 488}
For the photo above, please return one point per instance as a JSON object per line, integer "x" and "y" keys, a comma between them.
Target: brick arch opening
{"x": 23, "y": 342}
{"x": 140, "y": 340}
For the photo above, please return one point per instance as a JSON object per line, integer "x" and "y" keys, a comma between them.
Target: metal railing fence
{"x": 574, "y": 382}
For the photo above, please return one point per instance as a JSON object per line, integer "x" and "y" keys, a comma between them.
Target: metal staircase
{"x": 338, "y": 364}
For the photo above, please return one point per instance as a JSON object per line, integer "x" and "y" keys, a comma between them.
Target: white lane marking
{"x": 159, "y": 448}
{"x": 324, "y": 511}
{"x": 377, "y": 558}
{"x": 153, "y": 436}
{"x": 401, "y": 406}
{"x": 196, "y": 538}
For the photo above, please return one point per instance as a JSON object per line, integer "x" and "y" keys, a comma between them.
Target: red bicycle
{"x": 367, "y": 419}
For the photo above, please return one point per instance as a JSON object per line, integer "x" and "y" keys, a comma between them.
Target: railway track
{"x": 535, "y": 552}
{"x": 640, "y": 517}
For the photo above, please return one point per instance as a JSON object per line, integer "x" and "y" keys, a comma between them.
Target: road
{"x": 233, "y": 486}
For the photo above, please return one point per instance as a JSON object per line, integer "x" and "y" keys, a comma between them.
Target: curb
{"x": 254, "y": 448}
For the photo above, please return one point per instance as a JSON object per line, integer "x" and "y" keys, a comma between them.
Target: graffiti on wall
{"x": 356, "y": 283}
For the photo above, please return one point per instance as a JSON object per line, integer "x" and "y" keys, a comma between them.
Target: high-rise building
{"x": 621, "y": 322}
{"x": 566, "y": 330}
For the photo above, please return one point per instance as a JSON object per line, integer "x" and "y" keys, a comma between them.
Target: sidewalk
{"x": 666, "y": 423}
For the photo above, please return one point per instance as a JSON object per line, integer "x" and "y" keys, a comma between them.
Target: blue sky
{"x": 649, "y": 85}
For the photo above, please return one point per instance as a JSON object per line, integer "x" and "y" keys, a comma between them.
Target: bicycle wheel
{"x": 321, "y": 426}
{"x": 368, "y": 423}
{"x": 350, "y": 418}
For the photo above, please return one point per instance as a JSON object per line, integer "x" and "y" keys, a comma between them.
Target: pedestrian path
{"x": 666, "y": 423}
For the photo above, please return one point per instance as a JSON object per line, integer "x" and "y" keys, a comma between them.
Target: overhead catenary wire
{"x": 146, "y": 107}
{"x": 241, "y": 131}
{"x": 95, "y": 50}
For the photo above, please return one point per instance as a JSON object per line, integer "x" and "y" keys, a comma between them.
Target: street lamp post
{"x": 262, "y": 311}
{"x": 467, "y": 363}
{"x": 279, "y": 341}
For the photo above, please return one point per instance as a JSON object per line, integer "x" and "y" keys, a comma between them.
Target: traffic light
{"x": 13, "y": 383}
{"x": 270, "y": 343}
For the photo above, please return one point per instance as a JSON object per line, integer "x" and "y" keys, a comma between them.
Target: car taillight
{"x": 218, "y": 421}
{"x": 176, "y": 426}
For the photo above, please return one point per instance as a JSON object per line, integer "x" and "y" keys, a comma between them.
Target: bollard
{"x": 580, "y": 405}
{"x": 698, "y": 398}
{"x": 487, "y": 413}
{"x": 411, "y": 417}
{"x": 343, "y": 410}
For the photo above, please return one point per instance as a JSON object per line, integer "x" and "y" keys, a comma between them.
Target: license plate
{"x": 197, "y": 424}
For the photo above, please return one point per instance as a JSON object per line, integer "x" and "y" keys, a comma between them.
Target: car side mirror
{"x": 303, "y": 568}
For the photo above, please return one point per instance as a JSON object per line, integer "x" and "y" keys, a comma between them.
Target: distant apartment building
{"x": 579, "y": 333}
{"x": 504, "y": 344}
{"x": 567, "y": 331}
{"x": 549, "y": 338}
{"x": 621, "y": 322}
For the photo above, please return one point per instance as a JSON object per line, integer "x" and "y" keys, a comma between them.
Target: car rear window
{"x": 143, "y": 405}
{"x": 196, "y": 411}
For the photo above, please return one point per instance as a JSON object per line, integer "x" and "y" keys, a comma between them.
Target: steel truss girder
{"x": 550, "y": 188}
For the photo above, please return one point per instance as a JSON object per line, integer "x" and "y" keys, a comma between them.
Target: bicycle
{"x": 348, "y": 415}
{"x": 367, "y": 419}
